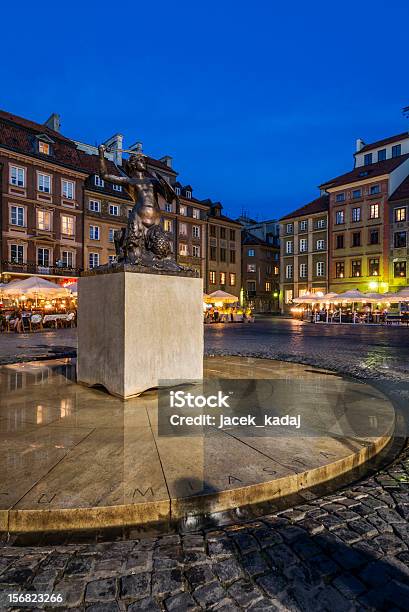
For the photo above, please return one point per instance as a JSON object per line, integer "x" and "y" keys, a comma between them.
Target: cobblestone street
{"x": 344, "y": 551}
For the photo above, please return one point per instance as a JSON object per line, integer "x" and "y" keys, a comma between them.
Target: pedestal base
{"x": 136, "y": 329}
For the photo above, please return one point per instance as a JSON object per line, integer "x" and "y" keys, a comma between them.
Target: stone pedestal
{"x": 135, "y": 329}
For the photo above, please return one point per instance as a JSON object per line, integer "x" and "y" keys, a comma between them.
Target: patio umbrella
{"x": 376, "y": 298}
{"x": 35, "y": 287}
{"x": 221, "y": 296}
{"x": 404, "y": 294}
{"x": 73, "y": 288}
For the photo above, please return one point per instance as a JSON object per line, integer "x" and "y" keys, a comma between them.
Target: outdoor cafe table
{"x": 54, "y": 318}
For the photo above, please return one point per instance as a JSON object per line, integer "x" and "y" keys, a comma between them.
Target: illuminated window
{"x": 400, "y": 214}
{"x": 44, "y": 148}
{"x": 183, "y": 249}
{"x": 222, "y": 278}
{"x": 373, "y": 267}
{"x": 288, "y": 296}
{"x": 232, "y": 279}
{"x": 340, "y": 269}
{"x": 399, "y": 269}
{"x": 167, "y": 225}
{"x": 268, "y": 286}
{"x": 356, "y": 268}
{"x": 212, "y": 277}
{"x": 182, "y": 210}
{"x": 196, "y": 213}
{"x": 374, "y": 211}
{"x": 43, "y": 220}
{"x": 67, "y": 225}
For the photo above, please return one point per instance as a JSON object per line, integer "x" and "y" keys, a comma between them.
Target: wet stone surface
{"x": 346, "y": 551}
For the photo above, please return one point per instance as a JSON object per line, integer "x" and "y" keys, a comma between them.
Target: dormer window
{"x": 117, "y": 187}
{"x": 368, "y": 159}
{"x": 43, "y": 148}
{"x": 98, "y": 181}
{"x": 188, "y": 195}
{"x": 177, "y": 191}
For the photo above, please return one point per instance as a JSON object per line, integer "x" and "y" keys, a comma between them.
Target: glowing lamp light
{"x": 275, "y": 294}
{"x": 373, "y": 285}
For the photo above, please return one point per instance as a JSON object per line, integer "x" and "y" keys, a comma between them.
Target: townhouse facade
{"x": 223, "y": 257}
{"x": 304, "y": 252}
{"x": 42, "y": 200}
{"x": 360, "y": 218}
{"x": 399, "y": 237}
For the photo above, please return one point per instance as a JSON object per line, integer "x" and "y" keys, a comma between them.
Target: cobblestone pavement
{"x": 344, "y": 551}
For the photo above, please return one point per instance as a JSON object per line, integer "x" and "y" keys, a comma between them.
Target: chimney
{"x": 53, "y": 122}
{"x": 167, "y": 159}
{"x": 115, "y": 147}
{"x": 137, "y": 147}
{"x": 359, "y": 144}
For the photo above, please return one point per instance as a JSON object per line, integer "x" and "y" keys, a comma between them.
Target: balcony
{"x": 31, "y": 268}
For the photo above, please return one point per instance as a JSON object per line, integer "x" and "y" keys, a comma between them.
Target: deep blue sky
{"x": 258, "y": 102}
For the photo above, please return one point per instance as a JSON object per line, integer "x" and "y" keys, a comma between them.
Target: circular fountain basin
{"x": 73, "y": 457}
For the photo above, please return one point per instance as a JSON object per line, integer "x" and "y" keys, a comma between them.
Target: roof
{"x": 318, "y": 205}
{"x": 366, "y": 172}
{"x": 250, "y": 239}
{"x": 384, "y": 141}
{"x": 20, "y": 135}
{"x": 402, "y": 192}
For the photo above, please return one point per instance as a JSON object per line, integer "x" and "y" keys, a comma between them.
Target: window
{"x": 93, "y": 260}
{"x": 223, "y": 233}
{"x": 213, "y": 253}
{"x": 17, "y": 176}
{"x": 303, "y": 245}
{"x": 232, "y": 279}
{"x": 400, "y": 214}
{"x": 268, "y": 286}
{"x": 340, "y": 217}
{"x": 373, "y": 267}
{"x": 94, "y": 205}
{"x": 17, "y": 215}
{"x": 44, "y": 182}
{"x": 374, "y": 211}
{"x": 356, "y": 239}
{"x": 111, "y": 234}
{"x": 374, "y": 190}
{"x": 94, "y": 232}
{"x": 222, "y": 254}
{"x": 213, "y": 231}
{"x": 289, "y": 247}
{"x": 289, "y": 228}
{"x": 196, "y": 231}
{"x": 320, "y": 268}
{"x": 356, "y": 267}
{"x": 232, "y": 256}
{"x": 374, "y": 237}
{"x": 382, "y": 155}
{"x": 251, "y": 287}
{"x": 396, "y": 150}
{"x": 116, "y": 187}
{"x": 368, "y": 159}
{"x": 399, "y": 240}
{"x": 276, "y": 270}
{"x": 177, "y": 191}
{"x": 182, "y": 210}
{"x": 212, "y": 277}
{"x": 183, "y": 229}
{"x": 196, "y": 250}
{"x": 183, "y": 249}
{"x": 356, "y": 214}
{"x": 303, "y": 270}
{"x": 357, "y": 193}
{"x": 68, "y": 189}
{"x": 168, "y": 207}
{"x": 67, "y": 225}
{"x": 288, "y": 296}
{"x": 320, "y": 245}
{"x": 195, "y": 213}
{"x": 99, "y": 182}
{"x": 251, "y": 252}
{"x": 232, "y": 234}
{"x": 188, "y": 194}
{"x": 251, "y": 267}
{"x": 111, "y": 259}
{"x": 340, "y": 241}
{"x": 303, "y": 226}
{"x": 222, "y": 278}
{"x": 321, "y": 224}
{"x": 340, "y": 197}
{"x": 399, "y": 269}
{"x": 114, "y": 210}
{"x": 67, "y": 259}
{"x": 167, "y": 225}
{"x": 289, "y": 271}
{"x": 17, "y": 253}
{"x": 43, "y": 257}
{"x": 43, "y": 220}
{"x": 339, "y": 269}
{"x": 44, "y": 148}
